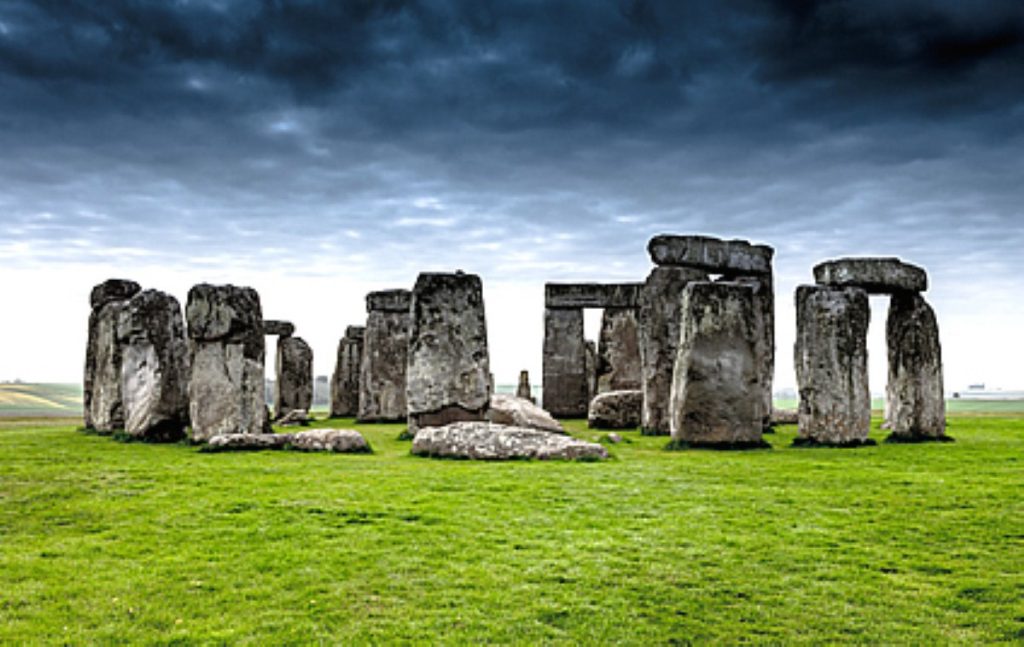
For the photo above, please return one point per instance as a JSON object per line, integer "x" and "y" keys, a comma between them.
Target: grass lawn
{"x": 102, "y": 542}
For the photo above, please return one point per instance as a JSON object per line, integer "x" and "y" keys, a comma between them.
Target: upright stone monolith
{"x": 448, "y": 376}
{"x": 154, "y": 367}
{"x": 618, "y": 351}
{"x": 590, "y": 370}
{"x": 385, "y": 352}
{"x": 764, "y": 321}
{"x": 345, "y": 380}
{"x": 102, "y": 395}
{"x": 523, "y": 389}
{"x": 716, "y": 391}
{"x": 831, "y": 361}
{"x": 225, "y": 329}
{"x": 916, "y": 406}
{"x": 660, "y": 309}
{"x": 293, "y": 385}
{"x": 565, "y": 393}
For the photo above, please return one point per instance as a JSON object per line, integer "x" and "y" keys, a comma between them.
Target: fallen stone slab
{"x": 293, "y": 418}
{"x": 278, "y": 328}
{"x": 875, "y": 275}
{"x": 711, "y": 254}
{"x": 246, "y": 442}
{"x": 591, "y": 295}
{"x": 488, "y": 441}
{"x": 616, "y": 410}
{"x": 520, "y": 412}
{"x": 342, "y": 441}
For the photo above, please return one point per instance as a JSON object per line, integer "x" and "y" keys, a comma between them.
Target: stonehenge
{"x": 566, "y": 389}
{"x": 448, "y": 371}
{"x": 618, "y": 351}
{"x": 345, "y": 380}
{"x": 103, "y": 408}
{"x": 520, "y": 412}
{"x": 154, "y": 367}
{"x": 489, "y": 441}
{"x": 293, "y": 367}
{"x": 523, "y": 389}
{"x": 831, "y": 354}
{"x": 225, "y": 330}
{"x": 716, "y": 398}
{"x": 615, "y": 410}
{"x": 385, "y": 348}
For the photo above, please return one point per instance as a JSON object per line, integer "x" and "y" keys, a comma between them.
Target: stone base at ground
{"x": 520, "y": 412}
{"x": 314, "y": 440}
{"x": 785, "y": 417}
{"x": 241, "y": 442}
{"x": 616, "y": 410}
{"x": 488, "y": 441}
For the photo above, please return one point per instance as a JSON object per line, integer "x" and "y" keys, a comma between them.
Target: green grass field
{"x": 103, "y": 542}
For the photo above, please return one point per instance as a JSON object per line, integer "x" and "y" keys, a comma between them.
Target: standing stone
{"x": 660, "y": 309}
{"x": 154, "y": 367}
{"x": 716, "y": 392}
{"x": 764, "y": 321}
{"x": 831, "y": 360}
{"x": 590, "y": 370}
{"x": 385, "y": 353}
{"x": 523, "y": 390}
{"x": 618, "y": 351}
{"x": 293, "y": 386}
{"x": 345, "y": 381}
{"x": 565, "y": 390}
{"x": 225, "y": 326}
{"x": 103, "y": 408}
{"x": 915, "y": 403}
{"x": 448, "y": 377}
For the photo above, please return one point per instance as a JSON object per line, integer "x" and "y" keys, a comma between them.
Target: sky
{"x": 320, "y": 150}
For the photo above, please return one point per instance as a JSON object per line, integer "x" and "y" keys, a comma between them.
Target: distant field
{"x": 50, "y": 400}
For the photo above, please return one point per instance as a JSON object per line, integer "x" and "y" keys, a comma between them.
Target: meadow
{"x": 103, "y": 541}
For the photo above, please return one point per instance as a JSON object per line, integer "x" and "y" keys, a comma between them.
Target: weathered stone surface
{"x": 225, "y": 325}
{"x": 103, "y": 407}
{"x": 488, "y": 441}
{"x": 293, "y": 386}
{"x": 618, "y": 351}
{"x": 831, "y": 361}
{"x": 448, "y": 376}
{"x": 591, "y": 295}
{"x": 112, "y": 290}
{"x": 616, "y": 410}
{"x": 764, "y": 322}
{"x": 590, "y": 369}
{"x": 523, "y": 390}
{"x": 345, "y": 380}
{"x": 385, "y": 354}
{"x": 658, "y": 315}
{"x": 876, "y": 275}
{"x": 293, "y": 418}
{"x": 785, "y": 416}
{"x": 520, "y": 412}
{"x": 246, "y": 442}
{"x": 915, "y": 403}
{"x": 565, "y": 391}
{"x": 711, "y": 254}
{"x": 278, "y": 328}
{"x": 154, "y": 367}
{"x": 347, "y": 441}
{"x": 388, "y": 301}
{"x": 716, "y": 393}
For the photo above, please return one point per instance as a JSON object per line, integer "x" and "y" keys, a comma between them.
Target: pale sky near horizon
{"x": 319, "y": 150}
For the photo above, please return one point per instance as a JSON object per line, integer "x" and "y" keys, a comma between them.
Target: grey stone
{"x": 342, "y": 441}
{"x": 916, "y": 405}
{"x": 591, "y": 295}
{"x": 523, "y": 389}
{"x": 660, "y": 309}
{"x": 225, "y": 326}
{"x": 488, "y": 441}
{"x": 618, "y": 351}
{"x": 448, "y": 376}
{"x": 103, "y": 405}
{"x": 388, "y": 301}
{"x": 831, "y": 361}
{"x": 614, "y": 438}
{"x": 716, "y": 393}
{"x": 712, "y": 255}
{"x": 520, "y": 412}
{"x": 278, "y": 328}
{"x": 154, "y": 367}
{"x": 764, "y": 322}
{"x": 293, "y": 386}
{"x": 875, "y": 275}
{"x": 248, "y": 442}
{"x": 565, "y": 391}
{"x": 345, "y": 380}
{"x": 293, "y": 418}
{"x": 590, "y": 369}
{"x": 616, "y": 410}
{"x": 385, "y": 355}
{"x": 785, "y": 417}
